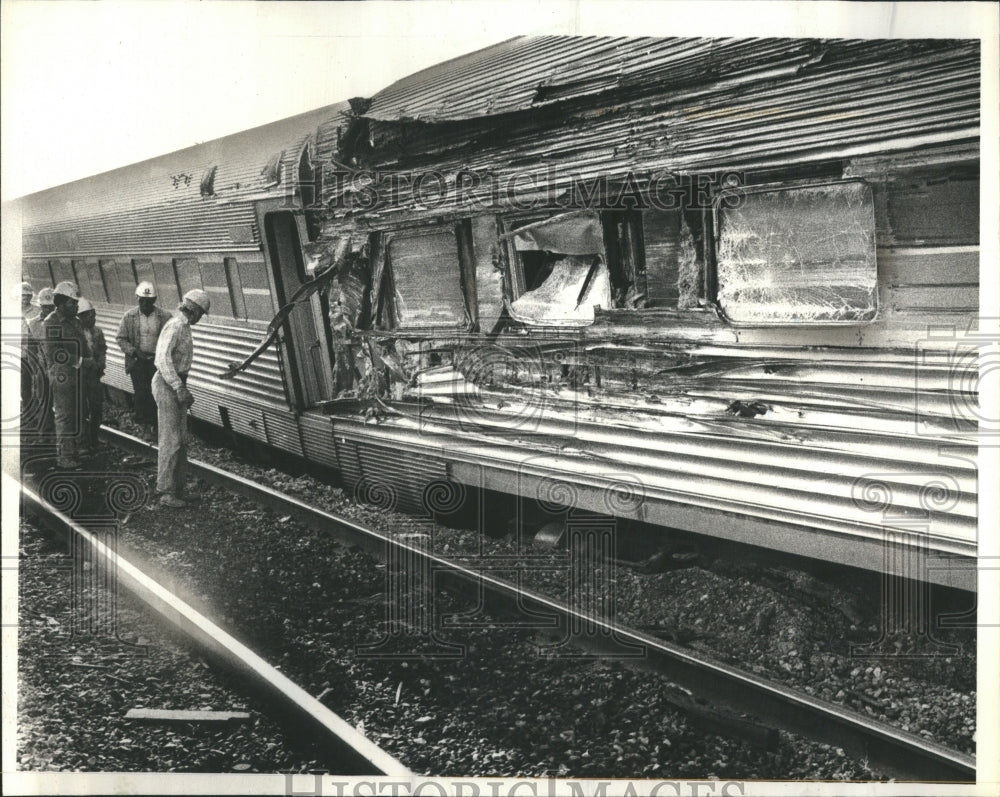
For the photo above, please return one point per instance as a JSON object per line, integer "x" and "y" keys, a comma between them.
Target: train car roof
{"x": 209, "y": 185}
{"x": 530, "y": 72}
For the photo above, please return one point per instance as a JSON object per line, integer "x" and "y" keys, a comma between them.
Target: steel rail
{"x": 898, "y": 753}
{"x": 346, "y": 747}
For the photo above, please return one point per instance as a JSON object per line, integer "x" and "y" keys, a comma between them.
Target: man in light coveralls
{"x": 174, "y": 352}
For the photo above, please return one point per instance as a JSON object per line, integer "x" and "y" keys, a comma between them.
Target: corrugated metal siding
{"x": 389, "y": 476}
{"x": 157, "y": 205}
{"x": 831, "y": 100}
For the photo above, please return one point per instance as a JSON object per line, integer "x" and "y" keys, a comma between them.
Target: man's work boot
{"x": 172, "y": 501}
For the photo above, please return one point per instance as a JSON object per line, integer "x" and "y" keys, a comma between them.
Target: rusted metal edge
{"x": 902, "y": 754}
{"x": 358, "y": 754}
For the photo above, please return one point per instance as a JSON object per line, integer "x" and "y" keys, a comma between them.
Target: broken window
{"x": 427, "y": 279}
{"x": 797, "y": 255}
{"x": 559, "y": 267}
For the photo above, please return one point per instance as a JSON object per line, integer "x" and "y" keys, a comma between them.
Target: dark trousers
{"x": 67, "y": 403}
{"x": 94, "y": 408}
{"x": 142, "y": 379}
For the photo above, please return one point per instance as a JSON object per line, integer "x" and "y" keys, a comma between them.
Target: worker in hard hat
{"x": 174, "y": 352}
{"x": 137, "y": 335}
{"x": 29, "y": 360}
{"x": 40, "y": 420}
{"x": 93, "y": 390}
{"x": 67, "y": 358}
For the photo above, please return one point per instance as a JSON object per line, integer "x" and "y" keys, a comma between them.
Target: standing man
{"x": 28, "y": 357}
{"x": 174, "y": 352}
{"x": 93, "y": 390}
{"x": 137, "y": 335}
{"x": 67, "y": 358}
{"x": 44, "y": 426}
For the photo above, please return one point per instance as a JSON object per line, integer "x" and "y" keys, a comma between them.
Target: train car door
{"x": 305, "y": 337}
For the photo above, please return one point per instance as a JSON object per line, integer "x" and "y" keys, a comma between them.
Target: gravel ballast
{"x": 502, "y": 707}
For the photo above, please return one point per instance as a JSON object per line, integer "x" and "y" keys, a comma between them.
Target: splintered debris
{"x": 180, "y": 715}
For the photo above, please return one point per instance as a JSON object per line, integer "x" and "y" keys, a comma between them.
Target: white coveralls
{"x": 174, "y": 351}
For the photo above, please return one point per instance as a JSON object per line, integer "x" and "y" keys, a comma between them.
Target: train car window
{"x": 187, "y": 274}
{"x": 256, "y": 290}
{"x": 232, "y": 277}
{"x": 143, "y": 271}
{"x": 563, "y": 264}
{"x": 166, "y": 284}
{"x": 62, "y": 271}
{"x": 96, "y": 279}
{"x": 930, "y": 208}
{"x": 82, "y": 277}
{"x": 673, "y": 264}
{"x": 113, "y": 283}
{"x": 528, "y": 269}
{"x": 38, "y": 274}
{"x": 797, "y": 255}
{"x": 213, "y": 277}
{"x": 426, "y": 276}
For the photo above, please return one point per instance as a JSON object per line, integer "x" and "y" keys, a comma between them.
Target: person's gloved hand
{"x": 184, "y": 397}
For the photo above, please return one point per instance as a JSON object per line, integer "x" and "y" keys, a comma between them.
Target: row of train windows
{"x": 803, "y": 253}
{"x": 237, "y": 289}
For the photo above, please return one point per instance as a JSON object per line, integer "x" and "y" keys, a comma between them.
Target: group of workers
{"x": 63, "y": 358}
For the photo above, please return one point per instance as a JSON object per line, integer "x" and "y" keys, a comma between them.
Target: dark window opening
{"x": 558, "y": 269}
{"x": 213, "y": 275}
{"x": 82, "y": 278}
{"x": 62, "y": 271}
{"x": 112, "y": 282}
{"x": 166, "y": 285}
{"x": 232, "y": 277}
{"x": 187, "y": 274}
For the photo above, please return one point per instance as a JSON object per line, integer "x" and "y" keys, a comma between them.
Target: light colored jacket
{"x": 128, "y": 333}
{"x": 174, "y": 351}
{"x": 98, "y": 349}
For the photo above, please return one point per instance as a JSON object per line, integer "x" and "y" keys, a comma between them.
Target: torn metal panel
{"x": 568, "y": 295}
{"x": 860, "y": 99}
{"x": 577, "y": 232}
{"x": 798, "y": 255}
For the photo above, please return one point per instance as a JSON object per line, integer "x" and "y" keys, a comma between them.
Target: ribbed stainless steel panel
{"x": 158, "y": 206}
{"x": 567, "y": 109}
{"x": 390, "y": 477}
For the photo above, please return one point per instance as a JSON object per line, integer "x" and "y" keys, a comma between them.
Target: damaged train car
{"x": 720, "y": 286}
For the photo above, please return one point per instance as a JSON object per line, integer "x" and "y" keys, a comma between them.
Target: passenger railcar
{"x": 725, "y": 286}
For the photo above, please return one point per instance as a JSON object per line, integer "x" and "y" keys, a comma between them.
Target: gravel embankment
{"x": 503, "y": 709}
{"x": 776, "y": 621}
{"x": 74, "y": 689}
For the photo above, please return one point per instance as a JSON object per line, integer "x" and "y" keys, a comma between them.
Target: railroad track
{"x": 720, "y": 690}
{"x": 347, "y": 750}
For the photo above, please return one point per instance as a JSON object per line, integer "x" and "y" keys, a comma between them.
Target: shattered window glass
{"x": 562, "y": 269}
{"x": 797, "y": 255}
{"x": 427, "y": 278}
{"x": 567, "y": 295}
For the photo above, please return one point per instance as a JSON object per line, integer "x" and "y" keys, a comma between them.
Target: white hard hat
{"x": 84, "y": 307}
{"x": 145, "y": 290}
{"x": 45, "y": 296}
{"x": 26, "y": 289}
{"x": 67, "y": 289}
{"x": 198, "y": 298}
